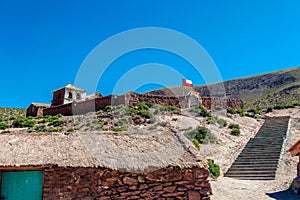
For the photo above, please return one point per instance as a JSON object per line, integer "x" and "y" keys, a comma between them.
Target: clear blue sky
{"x": 43, "y": 43}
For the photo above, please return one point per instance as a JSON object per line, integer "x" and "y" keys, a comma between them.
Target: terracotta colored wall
{"x": 58, "y": 101}
{"x": 105, "y": 184}
{"x": 133, "y": 99}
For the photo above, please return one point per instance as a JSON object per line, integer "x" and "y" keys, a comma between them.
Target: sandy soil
{"x": 228, "y": 188}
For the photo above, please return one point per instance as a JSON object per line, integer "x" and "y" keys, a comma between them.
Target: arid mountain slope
{"x": 276, "y": 88}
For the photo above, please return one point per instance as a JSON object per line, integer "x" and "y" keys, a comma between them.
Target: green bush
{"x": 196, "y": 143}
{"x": 203, "y": 112}
{"x": 40, "y": 128}
{"x": 214, "y": 169}
{"x": 145, "y": 113}
{"x": 235, "y": 132}
{"x": 6, "y": 131}
{"x": 222, "y": 123}
{"x": 56, "y": 123}
{"x": 202, "y": 135}
{"x": 28, "y": 123}
{"x": 70, "y": 130}
{"x": 241, "y": 112}
{"x": 4, "y": 125}
{"x": 231, "y": 111}
{"x": 211, "y": 120}
{"x": 107, "y": 109}
{"x": 143, "y": 106}
{"x": 233, "y": 126}
{"x": 163, "y": 124}
{"x": 1, "y": 119}
{"x": 255, "y": 111}
{"x": 269, "y": 109}
{"x": 120, "y": 128}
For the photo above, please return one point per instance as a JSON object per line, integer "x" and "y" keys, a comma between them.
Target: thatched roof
{"x": 121, "y": 151}
{"x": 41, "y": 105}
{"x": 71, "y": 87}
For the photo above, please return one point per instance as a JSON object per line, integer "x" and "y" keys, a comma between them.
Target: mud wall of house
{"x": 105, "y": 184}
{"x": 83, "y": 107}
{"x": 213, "y": 102}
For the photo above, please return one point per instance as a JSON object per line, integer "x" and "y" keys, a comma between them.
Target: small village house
{"x": 101, "y": 165}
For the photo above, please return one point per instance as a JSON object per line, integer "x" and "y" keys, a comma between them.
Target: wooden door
{"x": 22, "y": 185}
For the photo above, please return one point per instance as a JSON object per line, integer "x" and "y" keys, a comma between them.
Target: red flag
{"x": 186, "y": 82}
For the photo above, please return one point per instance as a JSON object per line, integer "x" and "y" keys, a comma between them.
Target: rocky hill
{"x": 266, "y": 90}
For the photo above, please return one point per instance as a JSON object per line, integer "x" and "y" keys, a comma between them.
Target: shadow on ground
{"x": 284, "y": 195}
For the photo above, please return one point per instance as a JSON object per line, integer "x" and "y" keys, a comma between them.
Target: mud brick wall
{"x": 106, "y": 184}
{"x": 133, "y": 99}
{"x": 213, "y": 102}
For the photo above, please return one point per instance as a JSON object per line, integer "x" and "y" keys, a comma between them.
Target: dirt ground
{"x": 225, "y": 188}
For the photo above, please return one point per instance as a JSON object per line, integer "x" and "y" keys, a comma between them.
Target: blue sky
{"x": 44, "y": 43}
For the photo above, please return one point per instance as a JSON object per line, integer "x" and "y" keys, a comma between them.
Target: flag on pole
{"x": 186, "y": 82}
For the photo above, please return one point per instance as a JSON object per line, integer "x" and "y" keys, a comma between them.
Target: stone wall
{"x": 132, "y": 98}
{"x": 104, "y": 184}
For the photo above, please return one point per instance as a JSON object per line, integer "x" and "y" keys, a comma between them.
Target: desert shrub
{"x": 99, "y": 112}
{"x": 202, "y": 135}
{"x": 143, "y": 106}
{"x": 233, "y": 126}
{"x": 255, "y": 111}
{"x": 54, "y": 129}
{"x": 154, "y": 127}
{"x": 214, "y": 169}
{"x": 145, "y": 113}
{"x": 172, "y": 108}
{"x": 107, "y": 109}
{"x": 12, "y": 118}
{"x": 241, "y": 112}
{"x": 211, "y": 120}
{"x": 279, "y": 107}
{"x": 40, "y": 128}
{"x": 231, "y": 111}
{"x": 152, "y": 120}
{"x": 18, "y": 123}
{"x": 203, "y": 112}
{"x": 28, "y": 123}
{"x": 6, "y": 131}
{"x": 158, "y": 107}
{"x": 235, "y": 132}
{"x": 163, "y": 124}
{"x": 56, "y": 123}
{"x": 222, "y": 123}
{"x": 120, "y": 128}
{"x": 4, "y": 125}
{"x": 269, "y": 109}
{"x": 210, "y": 138}
{"x": 196, "y": 143}
{"x": 70, "y": 130}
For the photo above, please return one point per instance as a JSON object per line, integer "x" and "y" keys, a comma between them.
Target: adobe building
{"x": 102, "y": 166}
{"x": 71, "y": 100}
{"x": 67, "y": 94}
{"x": 36, "y": 109}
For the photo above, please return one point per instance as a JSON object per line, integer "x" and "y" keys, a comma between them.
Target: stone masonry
{"x": 105, "y": 184}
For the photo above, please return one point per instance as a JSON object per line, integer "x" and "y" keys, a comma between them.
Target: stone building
{"x": 36, "y": 109}
{"x": 70, "y": 100}
{"x": 101, "y": 165}
{"x": 67, "y": 94}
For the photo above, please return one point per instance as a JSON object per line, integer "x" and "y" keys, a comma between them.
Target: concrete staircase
{"x": 260, "y": 157}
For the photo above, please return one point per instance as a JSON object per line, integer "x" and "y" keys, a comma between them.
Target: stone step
{"x": 252, "y": 172}
{"x": 250, "y": 167}
{"x": 251, "y": 177}
{"x": 259, "y": 158}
